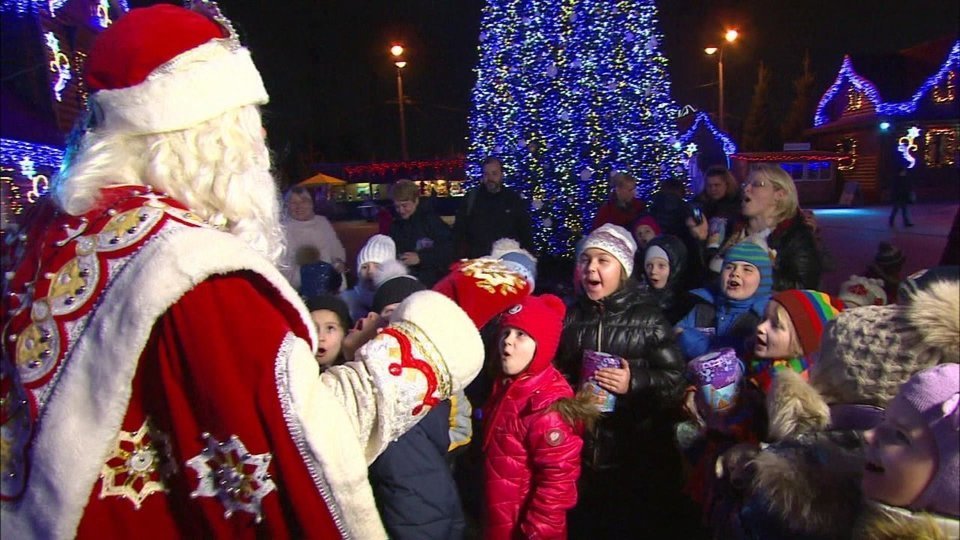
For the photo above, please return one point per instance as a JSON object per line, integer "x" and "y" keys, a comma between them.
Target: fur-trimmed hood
{"x": 580, "y": 410}
{"x": 795, "y": 406}
{"x": 804, "y": 489}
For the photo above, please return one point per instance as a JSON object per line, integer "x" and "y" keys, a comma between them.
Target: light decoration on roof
{"x": 702, "y": 118}
{"x": 848, "y": 75}
{"x": 59, "y": 65}
{"x": 906, "y": 145}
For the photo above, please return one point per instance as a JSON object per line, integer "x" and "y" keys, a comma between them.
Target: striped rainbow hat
{"x": 810, "y": 311}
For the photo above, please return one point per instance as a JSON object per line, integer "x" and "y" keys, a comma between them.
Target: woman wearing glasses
{"x": 771, "y": 216}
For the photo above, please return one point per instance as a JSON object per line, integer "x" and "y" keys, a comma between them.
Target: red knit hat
{"x": 810, "y": 311}
{"x": 540, "y": 317}
{"x": 483, "y": 288}
{"x": 166, "y": 68}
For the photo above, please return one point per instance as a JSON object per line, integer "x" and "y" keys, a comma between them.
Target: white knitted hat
{"x": 449, "y": 329}
{"x": 379, "y": 249}
{"x": 616, "y": 241}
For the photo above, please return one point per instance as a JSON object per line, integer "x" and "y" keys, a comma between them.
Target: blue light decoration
{"x": 906, "y": 145}
{"x": 702, "y": 118}
{"x": 568, "y": 93}
{"x": 59, "y": 65}
{"x": 24, "y": 7}
{"x": 26, "y": 158}
{"x": 13, "y": 151}
{"x": 863, "y": 85}
{"x": 884, "y": 126}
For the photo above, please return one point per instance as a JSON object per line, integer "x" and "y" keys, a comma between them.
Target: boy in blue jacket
{"x": 729, "y": 314}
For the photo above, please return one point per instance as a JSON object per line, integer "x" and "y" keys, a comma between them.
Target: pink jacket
{"x": 532, "y": 457}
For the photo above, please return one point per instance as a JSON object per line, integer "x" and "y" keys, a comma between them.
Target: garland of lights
{"x": 567, "y": 94}
{"x": 869, "y": 90}
{"x": 847, "y": 146}
{"x": 449, "y": 166}
{"x": 907, "y": 144}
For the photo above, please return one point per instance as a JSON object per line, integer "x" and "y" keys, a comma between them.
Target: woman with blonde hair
{"x": 771, "y": 213}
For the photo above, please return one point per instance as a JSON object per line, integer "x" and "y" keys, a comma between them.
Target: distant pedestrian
{"x": 902, "y": 194}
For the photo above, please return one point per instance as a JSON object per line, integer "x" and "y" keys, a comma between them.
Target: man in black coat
{"x": 490, "y": 212}
{"x": 424, "y": 242}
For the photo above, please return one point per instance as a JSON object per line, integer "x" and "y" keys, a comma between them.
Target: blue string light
{"x": 865, "y": 86}
{"x": 702, "y": 118}
{"x": 14, "y": 151}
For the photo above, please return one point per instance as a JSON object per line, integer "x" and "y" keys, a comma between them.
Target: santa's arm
{"x": 400, "y": 374}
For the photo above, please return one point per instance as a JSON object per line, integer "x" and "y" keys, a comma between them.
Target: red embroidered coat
{"x": 532, "y": 458}
{"x": 158, "y": 380}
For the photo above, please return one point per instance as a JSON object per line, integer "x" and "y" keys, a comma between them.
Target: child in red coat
{"x": 532, "y": 437}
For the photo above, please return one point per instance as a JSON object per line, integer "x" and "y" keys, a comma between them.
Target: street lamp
{"x": 397, "y": 52}
{"x": 730, "y": 36}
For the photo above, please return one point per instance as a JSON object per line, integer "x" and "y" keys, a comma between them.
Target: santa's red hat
{"x": 165, "y": 68}
{"x": 483, "y": 288}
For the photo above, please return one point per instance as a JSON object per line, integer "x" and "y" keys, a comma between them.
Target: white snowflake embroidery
{"x": 227, "y": 471}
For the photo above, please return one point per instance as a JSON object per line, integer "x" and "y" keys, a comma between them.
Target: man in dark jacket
{"x": 424, "y": 241}
{"x": 490, "y": 212}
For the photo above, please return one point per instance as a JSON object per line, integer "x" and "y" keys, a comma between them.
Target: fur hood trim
{"x": 811, "y": 488}
{"x": 883, "y": 522}
{"x": 795, "y": 407}
{"x": 935, "y": 312}
{"x": 580, "y": 410}
{"x": 389, "y": 270}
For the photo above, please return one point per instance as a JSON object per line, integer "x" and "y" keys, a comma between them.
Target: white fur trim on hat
{"x": 379, "y": 249}
{"x": 616, "y": 241}
{"x": 194, "y": 87}
{"x": 450, "y": 330}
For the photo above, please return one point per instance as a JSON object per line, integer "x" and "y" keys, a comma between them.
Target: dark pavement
{"x": 851, "y": 236}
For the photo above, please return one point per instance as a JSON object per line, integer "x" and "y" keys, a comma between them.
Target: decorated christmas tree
{"x": 567, "y": 93}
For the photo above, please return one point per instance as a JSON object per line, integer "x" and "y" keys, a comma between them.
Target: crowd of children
{"x": 745, "y": 408}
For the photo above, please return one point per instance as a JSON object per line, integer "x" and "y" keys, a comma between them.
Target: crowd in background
{"x": 726, "y": 369}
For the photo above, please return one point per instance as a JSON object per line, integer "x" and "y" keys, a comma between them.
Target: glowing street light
{"x": 730, "y": 36}
{"x": 397, "y": 52}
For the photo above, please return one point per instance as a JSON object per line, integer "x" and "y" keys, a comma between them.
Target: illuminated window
{"x": 854, "y": 99}
{"x": 848, "y": 146}
{"x": 947, "y": 89}
{"x": 940, "y": 148}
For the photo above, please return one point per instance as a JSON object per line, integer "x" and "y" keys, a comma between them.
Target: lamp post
{"x": 397, "y": 52}
{"x": 730, "y": 36}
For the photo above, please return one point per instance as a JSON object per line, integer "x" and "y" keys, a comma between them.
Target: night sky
{"x": 333, "y": 85}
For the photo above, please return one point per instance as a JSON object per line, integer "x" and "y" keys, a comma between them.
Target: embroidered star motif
{"x": 139, "y": 465}
{"x": 493, "y": 277}
{"x": 227, "y": 471}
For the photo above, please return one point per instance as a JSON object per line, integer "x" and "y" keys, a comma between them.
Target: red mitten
{"x": 483, "y": 288}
